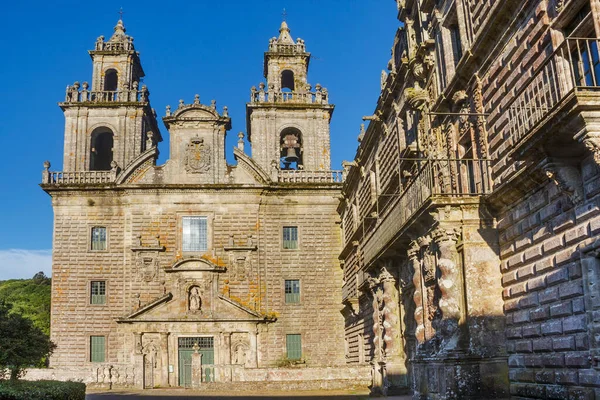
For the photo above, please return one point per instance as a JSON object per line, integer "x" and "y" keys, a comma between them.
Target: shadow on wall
{"x": 207, "y": 396}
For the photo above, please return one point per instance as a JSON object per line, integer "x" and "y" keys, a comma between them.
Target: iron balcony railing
{"x": 574, "y": 66}
{"x": 436, "y": 179}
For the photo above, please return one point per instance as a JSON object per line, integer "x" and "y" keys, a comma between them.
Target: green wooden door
{"x": 186, "y": 349}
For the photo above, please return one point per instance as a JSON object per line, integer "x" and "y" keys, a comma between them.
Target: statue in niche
{"x": 239, "y": 355}
{"x": 195, "y": 301}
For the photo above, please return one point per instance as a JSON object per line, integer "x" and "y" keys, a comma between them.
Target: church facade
{"x": 197, "y": 271}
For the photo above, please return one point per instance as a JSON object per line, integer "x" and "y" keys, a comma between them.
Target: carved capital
{"x": 567, "y": 177}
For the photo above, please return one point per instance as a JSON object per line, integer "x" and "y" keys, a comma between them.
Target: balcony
{"x": 320, "y": 96}
{"x": 74, "y": 95}
{"x": 78, "y": 177}
{"x": 437, "y": 181}
{"x": 301, "y": 176}
{"x": 570, "y": 74}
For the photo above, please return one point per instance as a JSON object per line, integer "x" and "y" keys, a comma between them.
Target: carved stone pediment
{"x": 195, "y": 264}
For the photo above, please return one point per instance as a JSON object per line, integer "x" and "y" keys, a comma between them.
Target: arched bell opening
{"x": 111, "y": 80}
{"x": 101, "y": 152}
{"x": 287, "y": 81}
{"x": 291, "y": 149}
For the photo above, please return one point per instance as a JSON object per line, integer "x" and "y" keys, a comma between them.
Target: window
{"x": 457, "y": 51}
{"x": 293, "y": 345}
{"x": 195, "y": 234}
{"x": 290, "y": 237}
{"x": 292, "y": 291}
{"x": 98, "y": 238}
{"x": 287, "y": 80}
{"x": 111, "y": 79}
{"x": 98, "y": 292}
{"x": 97, "y": 348}
{"x": 101, "y": 156}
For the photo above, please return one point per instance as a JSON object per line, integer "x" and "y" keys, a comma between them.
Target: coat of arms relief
{"x": 197, "y": 156}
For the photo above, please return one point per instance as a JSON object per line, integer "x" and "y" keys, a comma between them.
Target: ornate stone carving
{"x": 147, "y": 264}
{"x": 568, "y": 179}
{"x": 197, "y": 157}
{"x": 413, "y": 257}
{"x": 480, "y": 109}
{"x": 593, "y": 145}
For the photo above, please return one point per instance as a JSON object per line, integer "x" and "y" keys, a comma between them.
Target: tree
{"x": 22, "y": 344}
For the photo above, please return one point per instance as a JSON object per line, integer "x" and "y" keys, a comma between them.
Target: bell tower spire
{"x": 111, "y": 123}
{"x": 288, "y": 123}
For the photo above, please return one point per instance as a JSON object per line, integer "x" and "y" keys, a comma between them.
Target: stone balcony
{"x": 301, "y": 176}
{"x": 78, "y": 177}
{"x": 260, "y": 95}
{"x": 76, "y": 95}
{"x": 559, "y": 99}
{"x": 437, "y": 182}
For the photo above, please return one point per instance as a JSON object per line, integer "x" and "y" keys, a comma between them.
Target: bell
{"x": 291, "y": 155}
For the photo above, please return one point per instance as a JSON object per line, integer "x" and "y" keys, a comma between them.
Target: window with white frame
{"x": 195, "y": 233}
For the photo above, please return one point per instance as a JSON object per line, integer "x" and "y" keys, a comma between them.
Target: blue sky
{"x": 213, "y": 48}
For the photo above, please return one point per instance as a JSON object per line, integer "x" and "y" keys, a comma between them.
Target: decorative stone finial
{"x": 225, "y": 111}
{"x": 213, "y": 104}
{"x": 47, "y": 164}
{"x": 168, "y": 112}
{"x": 284, "y": 34}
{"x": 181, "y": 103}
{"x": 241, "y": 141}
{"x": 197, "y": 99}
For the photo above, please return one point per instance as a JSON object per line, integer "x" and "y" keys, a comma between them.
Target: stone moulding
{"x": 195, "y": 264}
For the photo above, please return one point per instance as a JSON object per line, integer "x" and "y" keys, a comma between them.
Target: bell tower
{"x": 110, "y": 123}
{"x": 288, "y": 122}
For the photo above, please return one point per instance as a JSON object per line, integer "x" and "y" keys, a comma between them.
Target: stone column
{"x": 196, "y": 367}
{"x": 413, "y": 259}
{"x": 164, "y": 359}
{"x": 253, "y": 348}
{"x": 226, "y": 356}
{"x": 450, "y": 281}
{"x": 376, "y": 295}
{"x": 396, "y": 372}
{"x": 138, "y": 361}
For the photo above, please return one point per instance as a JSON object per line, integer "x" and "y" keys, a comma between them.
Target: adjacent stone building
{"x": 471, "y": 212}
{"x": 196, "y": 270}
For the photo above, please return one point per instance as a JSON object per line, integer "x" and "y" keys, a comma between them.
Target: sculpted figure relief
{"x": 195, "y": 300}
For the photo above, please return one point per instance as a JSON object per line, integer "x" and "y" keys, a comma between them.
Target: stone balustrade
{"x": 572, "y": 67}
{"x": 301, "y": 176}
{"x": 119, "y": 46}
{"x": 78, "y": 177}
{"x": 320, "y": 96}
{"x": 74, "y": 95}
{"x": 281, "y": 48}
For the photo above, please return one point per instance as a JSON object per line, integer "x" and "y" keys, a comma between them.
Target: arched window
{"x": 291, "y": 148}
{"x": 111, "y": 78}
{"x": 287, "y": 80}
{"x": 101, "y": 150}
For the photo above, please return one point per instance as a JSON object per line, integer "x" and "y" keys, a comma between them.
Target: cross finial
{"x": 284, "y": 14}
{"x": 121, "y": 14}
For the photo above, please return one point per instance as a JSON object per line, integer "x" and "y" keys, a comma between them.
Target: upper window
{"x": 287, "y": 80}
{"x": 111, "y": 79}
{"x": 98, "y": 292}
{"x": 457, "y": 50}
{"x": 195, "y": 234}
{"x": 97, "y": 348}
{"x": 98, "y": 238}
{"x": 290, "y": 237}
{"x": 101, "y": 156}
{"x": 292, "y": 291}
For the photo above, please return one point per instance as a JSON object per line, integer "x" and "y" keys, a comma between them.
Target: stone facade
{"x": 230, "y": 292}
{"x": 472, "y": 204}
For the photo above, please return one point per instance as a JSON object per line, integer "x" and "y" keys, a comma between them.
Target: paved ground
{"x": 171, "y": 394}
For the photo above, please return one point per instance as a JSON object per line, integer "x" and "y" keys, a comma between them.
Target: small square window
{"x": 293, "y": 347}
{"x": 290, "y": 237}
{"x": 195, "y": 234}
{"x": 98, "y": 292}
{"x": 98, "y": 238}
{"x": 292, "y": 291}
{"x": 97, "y": 348}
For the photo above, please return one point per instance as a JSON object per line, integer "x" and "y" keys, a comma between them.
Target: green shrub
{"x": 41, "y": 390}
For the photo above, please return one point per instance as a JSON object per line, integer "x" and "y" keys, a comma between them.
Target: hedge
{"x": 41, "y": 390}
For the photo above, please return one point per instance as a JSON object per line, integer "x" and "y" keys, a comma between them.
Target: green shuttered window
{"x": 97, "y": 348}
{"x": 290, "y": 237}
{"x": 294, "y": 347}
{"x": 292, "y": 291}
{"x": 98, "y": 292}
